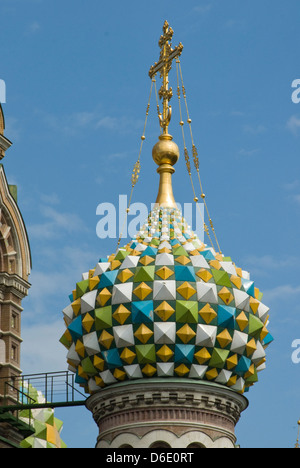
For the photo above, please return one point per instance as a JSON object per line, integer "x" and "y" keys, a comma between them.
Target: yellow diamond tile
{"x": 224, "y": 338}
{"x": 93, "y": 282}
{"x": 103, "y": 297}
{"x": 124, "y": 275}
{"x": 250, "y": 372}
{"x": 87, "y": 322}
{"x": 239, "y": 271}
{"x": 164, "y": 250}
{"x": 226, "y": 295}
{"x": 186, "y": 290}
{"x": 236, "y": 280}
{"x": 232, "y": 361}
{"x": 256, "y": 293}
{"x": 98, "y": 363}
{"x": 202, "y": 355}
{"x": 182, "y": 370}
{"x": 254, "y": 303}
{"x": 204, "y": 274}
{"x": 186, "y": 333}
{"x": 115, "y": 264}
{"x": 219, "y": 257}
{"x": 232, "y": 380}
{"x": 81, "y": 372}
{"x": 79, "y": 348}
{"x": 164, "y": 311}
{"x": 250, "y": 347}
{"x": 183, "y": 260}
{"x": 99, "y": 381}
{"x": 207, "y": 313}
{"x": 135, "y": 253}
{"x": 165, "y": 353}
{"x": 149, "y": 370}
{"x": 242, "y": 321}
{"x": 127, "y": 355}
{"x": 212, "y": 374}
{"x": 263, "y": 333}
{"x": 146, "y": 260}
{"x": 76, "y": 305}
{"x": 215, "y": 264}
{"x": 143, "y": 333}
{"x": 119, "y": 374}
{"x": 121, "y": 314}
{"x": 142, "y": 291}
{"x": 106, "y": 339}
{"x": 164, "y": 272}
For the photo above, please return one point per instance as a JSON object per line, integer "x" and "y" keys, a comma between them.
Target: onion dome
{"x": 47, "y": 428}
{"x": 166, "y": 305}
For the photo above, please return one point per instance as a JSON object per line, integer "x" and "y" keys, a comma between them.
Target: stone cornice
{"x": 11, "y": 366}
{"x": 14, "y": 283}
{"x": 162, "y": 392}
{"x": 10, "y": 334}
{"x": 4, "y": 143}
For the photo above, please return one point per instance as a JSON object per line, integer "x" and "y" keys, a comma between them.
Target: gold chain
{"x": 194, "y": 153}
{"x": 137, "y": 166}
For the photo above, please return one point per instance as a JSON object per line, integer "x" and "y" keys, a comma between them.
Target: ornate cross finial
{"x": 164, "y": 65}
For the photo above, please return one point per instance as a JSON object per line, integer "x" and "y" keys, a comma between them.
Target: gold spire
{"x": 165, "y": 153}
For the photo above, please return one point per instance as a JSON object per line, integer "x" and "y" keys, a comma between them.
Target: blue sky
{"x": 77, "y": 87}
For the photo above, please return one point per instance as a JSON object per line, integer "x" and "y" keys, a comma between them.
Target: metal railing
{"x": 45, "y": 390}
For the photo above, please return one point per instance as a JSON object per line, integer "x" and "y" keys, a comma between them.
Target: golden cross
{"x": 164, "y": 65}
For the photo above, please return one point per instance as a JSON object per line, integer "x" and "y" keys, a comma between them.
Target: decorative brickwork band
{"x": 133, "y": 411}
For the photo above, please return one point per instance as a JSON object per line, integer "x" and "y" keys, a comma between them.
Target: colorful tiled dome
{"x": 166, "y": 305}
{"x": 46, "y": 426}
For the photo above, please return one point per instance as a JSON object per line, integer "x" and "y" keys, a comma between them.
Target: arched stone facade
{"x": 15, "y": 266}
{"x": 14, "y": 245}
{"x": 4, "y": 142}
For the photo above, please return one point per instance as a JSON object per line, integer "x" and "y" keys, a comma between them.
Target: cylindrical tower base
{"x": 175, "y": 413}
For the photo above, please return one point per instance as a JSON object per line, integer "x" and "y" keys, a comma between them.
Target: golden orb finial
{"x": 165, "y": 151}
